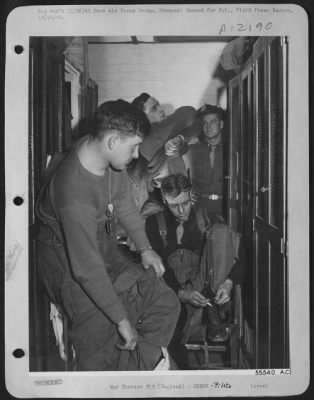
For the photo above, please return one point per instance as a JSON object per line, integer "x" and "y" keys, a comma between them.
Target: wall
{"x": 176, "y": 74}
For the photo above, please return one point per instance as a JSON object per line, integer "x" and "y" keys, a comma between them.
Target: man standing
{"x": 207, "y": 161}
{"x": 200, "y": 253}
{"x": 120, "y": 315}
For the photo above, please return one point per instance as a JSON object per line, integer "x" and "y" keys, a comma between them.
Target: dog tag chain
{"x": 110, "y": 211}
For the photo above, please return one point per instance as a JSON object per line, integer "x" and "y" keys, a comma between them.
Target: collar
{"x": 173, "y": 218}
{"x": 202, "y": 140}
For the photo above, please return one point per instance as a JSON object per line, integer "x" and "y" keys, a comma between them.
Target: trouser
{"x": 152, "y": 307}
{"x": 206, "y": 272}
{"x": 212, "y": 267}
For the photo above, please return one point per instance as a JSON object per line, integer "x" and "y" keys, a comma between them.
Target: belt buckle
{"x": 213, "y": 197}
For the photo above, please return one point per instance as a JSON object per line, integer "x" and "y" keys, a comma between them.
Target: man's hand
{"x": 192, "y": 297}
{"x": 194, "y": 197}
{"x": 173, "y": 145}
{"x": 151, "y": 259}
{"x": 128, "y": 334}
{"x": 224, "y": 292}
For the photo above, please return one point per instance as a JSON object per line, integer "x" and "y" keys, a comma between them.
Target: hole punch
{"x": 18, "y": 353}
{"x": 18, "y": 49}
{"x": 18, "y": 200}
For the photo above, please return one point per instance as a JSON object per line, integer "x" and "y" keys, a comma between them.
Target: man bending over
{"x": 120, "y": 313}
{"x": 201, "y": 255}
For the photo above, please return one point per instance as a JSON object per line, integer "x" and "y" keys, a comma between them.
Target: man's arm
{"x": 88, "y": 267}
{"x": 182, "y": 121}
{"x": 134, "y": 224}
{"x": 127, "y": 212}
{"x": 153, "y": 234}
{"x": 192, "y": 131}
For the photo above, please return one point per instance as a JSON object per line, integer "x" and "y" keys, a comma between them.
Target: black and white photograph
{"x": 157, "y": 204}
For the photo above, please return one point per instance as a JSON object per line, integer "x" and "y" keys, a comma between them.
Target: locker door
{"x": 246, "y": 202}
{"x": 270, "y": 204}
{"x": 38, "y": 305}
{"x": 234, "y": 154}
{"x": 46, "y": 123}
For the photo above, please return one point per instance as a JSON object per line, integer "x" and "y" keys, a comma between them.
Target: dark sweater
{"x": 75, "y": 203}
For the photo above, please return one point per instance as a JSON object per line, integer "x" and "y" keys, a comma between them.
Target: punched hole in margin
{"x": 18, "y": 200}
{"x": 18, "y": 353}
{"x": 18, "y": 49}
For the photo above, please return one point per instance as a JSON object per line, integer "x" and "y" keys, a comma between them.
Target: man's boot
{"x": 217, "y": 330}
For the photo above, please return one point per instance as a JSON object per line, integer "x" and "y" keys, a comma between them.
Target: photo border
{"x": 18, "y": 380}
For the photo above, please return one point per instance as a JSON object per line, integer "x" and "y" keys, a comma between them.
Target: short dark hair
{"x": 121, "y": 116}
{"x": 210, "y": 109}
{"x": 140, "y": 100}
{"x": 174, "y": 185}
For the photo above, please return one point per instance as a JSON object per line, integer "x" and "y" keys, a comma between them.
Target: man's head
{"x": 213, "y": 122}
{"x": 175, "y": 192}
{"x": 150, "y": 106}
{"x": 119, "y": 129}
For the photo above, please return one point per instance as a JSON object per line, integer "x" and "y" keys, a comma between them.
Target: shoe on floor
{"x": 218, "y": 333}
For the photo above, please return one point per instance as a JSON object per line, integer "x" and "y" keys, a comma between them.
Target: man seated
{"x": 201, "y": 255}
{"x": 121, "y": 314}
